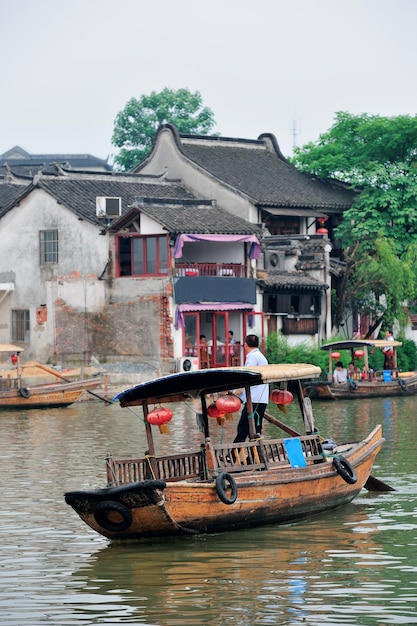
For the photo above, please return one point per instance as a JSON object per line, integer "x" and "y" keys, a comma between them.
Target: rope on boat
{"x": 252, "y": 416}
{"x": 148, "y": 458}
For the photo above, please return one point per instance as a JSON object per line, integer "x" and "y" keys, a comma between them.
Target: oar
{"x": 372, "y": 484}
{"x": 273, "y": 420}
{"x": 52, "y": 371}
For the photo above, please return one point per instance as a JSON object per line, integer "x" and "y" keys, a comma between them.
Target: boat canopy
{"x": 9, "y": 347}
{"x": 186, "y": 385}
{"x": 354, "y": 344}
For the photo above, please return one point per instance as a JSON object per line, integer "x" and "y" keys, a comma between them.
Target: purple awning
{"x": 255, "y": 249}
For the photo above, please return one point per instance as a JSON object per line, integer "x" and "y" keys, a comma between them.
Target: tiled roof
{"x": 168, "y": 202}
{"x": 9, "y": 192}
{"x": 258, "y": 169}
{"x": 79, "y": 194}
{"x": 26, "y": 164}
{"x": 199, "y": 218}
{"x": 288, "y": 280}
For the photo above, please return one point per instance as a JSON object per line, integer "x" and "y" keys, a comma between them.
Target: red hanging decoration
{"x": 216, "y": 413}
{"x": 335, "y": 355}
{"x": 160, "y": 416}
{"x": 322, "y": 230}
{"x": 228, "y": 404}
{"x": 359, "y": 353}
{"x": 282, "y": 397}
{"x": 14, "y": 358}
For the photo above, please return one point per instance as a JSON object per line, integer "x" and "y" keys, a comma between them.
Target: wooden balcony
{"x": 300, "y": 325}
{"x": 228, "y": 270}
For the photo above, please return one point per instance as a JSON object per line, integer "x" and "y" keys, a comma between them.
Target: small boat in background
{"x": 60, "y": 392}
{"x": 225, "y": 486}
{"x": 366, "y": 383}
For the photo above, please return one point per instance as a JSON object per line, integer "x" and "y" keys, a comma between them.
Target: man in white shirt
{"x": 259, "y": 393}
{"x": 340, "y": 373}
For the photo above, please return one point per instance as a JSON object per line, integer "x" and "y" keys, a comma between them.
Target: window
{"x": 141, "y": 256}
{"x": 283, "y": 226}
{"x": 48, "y": 247}
{"x": 292, "y": 304}
{"x": 20, "y": 325}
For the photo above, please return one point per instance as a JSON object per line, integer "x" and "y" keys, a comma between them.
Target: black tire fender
{"x": 345, "y": 469}
{"x": 222, "y": 481}
{"x": 24, "y": 392}
{"x": 402, "y": 384}
{"x": 102, "y": 511}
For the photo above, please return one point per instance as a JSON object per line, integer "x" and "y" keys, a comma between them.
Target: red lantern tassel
{"x": 229, "y": 417}
{"x": 163, "y": 429}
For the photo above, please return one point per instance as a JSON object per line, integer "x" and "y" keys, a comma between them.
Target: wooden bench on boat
{"x": 261, "y": 454}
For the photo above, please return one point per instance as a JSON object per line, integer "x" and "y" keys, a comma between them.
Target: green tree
{"x": 377, "y": 156}
{"x": 135, "y": 127}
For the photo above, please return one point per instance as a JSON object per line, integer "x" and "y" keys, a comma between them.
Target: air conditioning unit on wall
{"x": 187, "y": 364}
{"x": 108, "y": 208}
{"x": 274, "y": 260}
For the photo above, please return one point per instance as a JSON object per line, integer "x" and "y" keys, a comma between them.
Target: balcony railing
{"x": 231, "y": 270}
{"x": 300, "y": 325}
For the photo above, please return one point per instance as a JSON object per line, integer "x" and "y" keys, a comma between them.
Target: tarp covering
{"x": 182, "y": 386}
{"x": 216, "y": 306}
{"x": 254, "y": 253}
{"x": 197, "y": 289}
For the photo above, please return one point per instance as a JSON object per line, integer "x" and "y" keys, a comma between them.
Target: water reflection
{"x": 354, "y": 565}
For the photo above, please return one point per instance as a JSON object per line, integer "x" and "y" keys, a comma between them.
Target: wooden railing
{"x": 168, "y": 468}
{"x": 300, "y": 325}
{"x": 262, "y": 454}
{"x": 225, "y": 270}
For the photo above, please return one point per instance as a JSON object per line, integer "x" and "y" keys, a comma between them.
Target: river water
{"x": 356, "y": 565}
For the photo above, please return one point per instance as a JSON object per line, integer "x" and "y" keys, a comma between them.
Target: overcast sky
{"x": 69, "y": 66}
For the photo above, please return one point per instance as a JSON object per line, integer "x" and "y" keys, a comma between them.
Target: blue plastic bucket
{"x": 387, "y": 376}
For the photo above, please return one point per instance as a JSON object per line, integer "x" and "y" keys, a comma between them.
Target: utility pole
{"x": 295, "y": 130}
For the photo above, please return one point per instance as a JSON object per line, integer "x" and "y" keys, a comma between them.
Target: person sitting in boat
{"x": 259, "y": 393}
{"x": 388, "y": 352}
{"x": 354, "y": 372}
{"x": 340, "y": 373}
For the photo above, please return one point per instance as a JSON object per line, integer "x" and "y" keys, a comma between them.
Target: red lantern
{"x": 216, "y": 413}
{"x": 160, "y": 416}
{"x": 228, "y": 404}
{"x": 14, "y": 359}
{"x": 282, "y": 397}
{"x": 359, "y": 353}
{"x": 322, "y": 230}
{"x": 335, "y": 355}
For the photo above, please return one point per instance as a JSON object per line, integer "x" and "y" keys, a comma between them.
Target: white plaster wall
{"x": 83, "y": 254}
{"x": 167, "y": 158}
{"x": 148, "y": 226}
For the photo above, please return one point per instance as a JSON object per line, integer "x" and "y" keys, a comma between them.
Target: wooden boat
{"x": 224, "y": 486}
{"x": 14, "y": 394}
{"x": 368, "y": 383}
